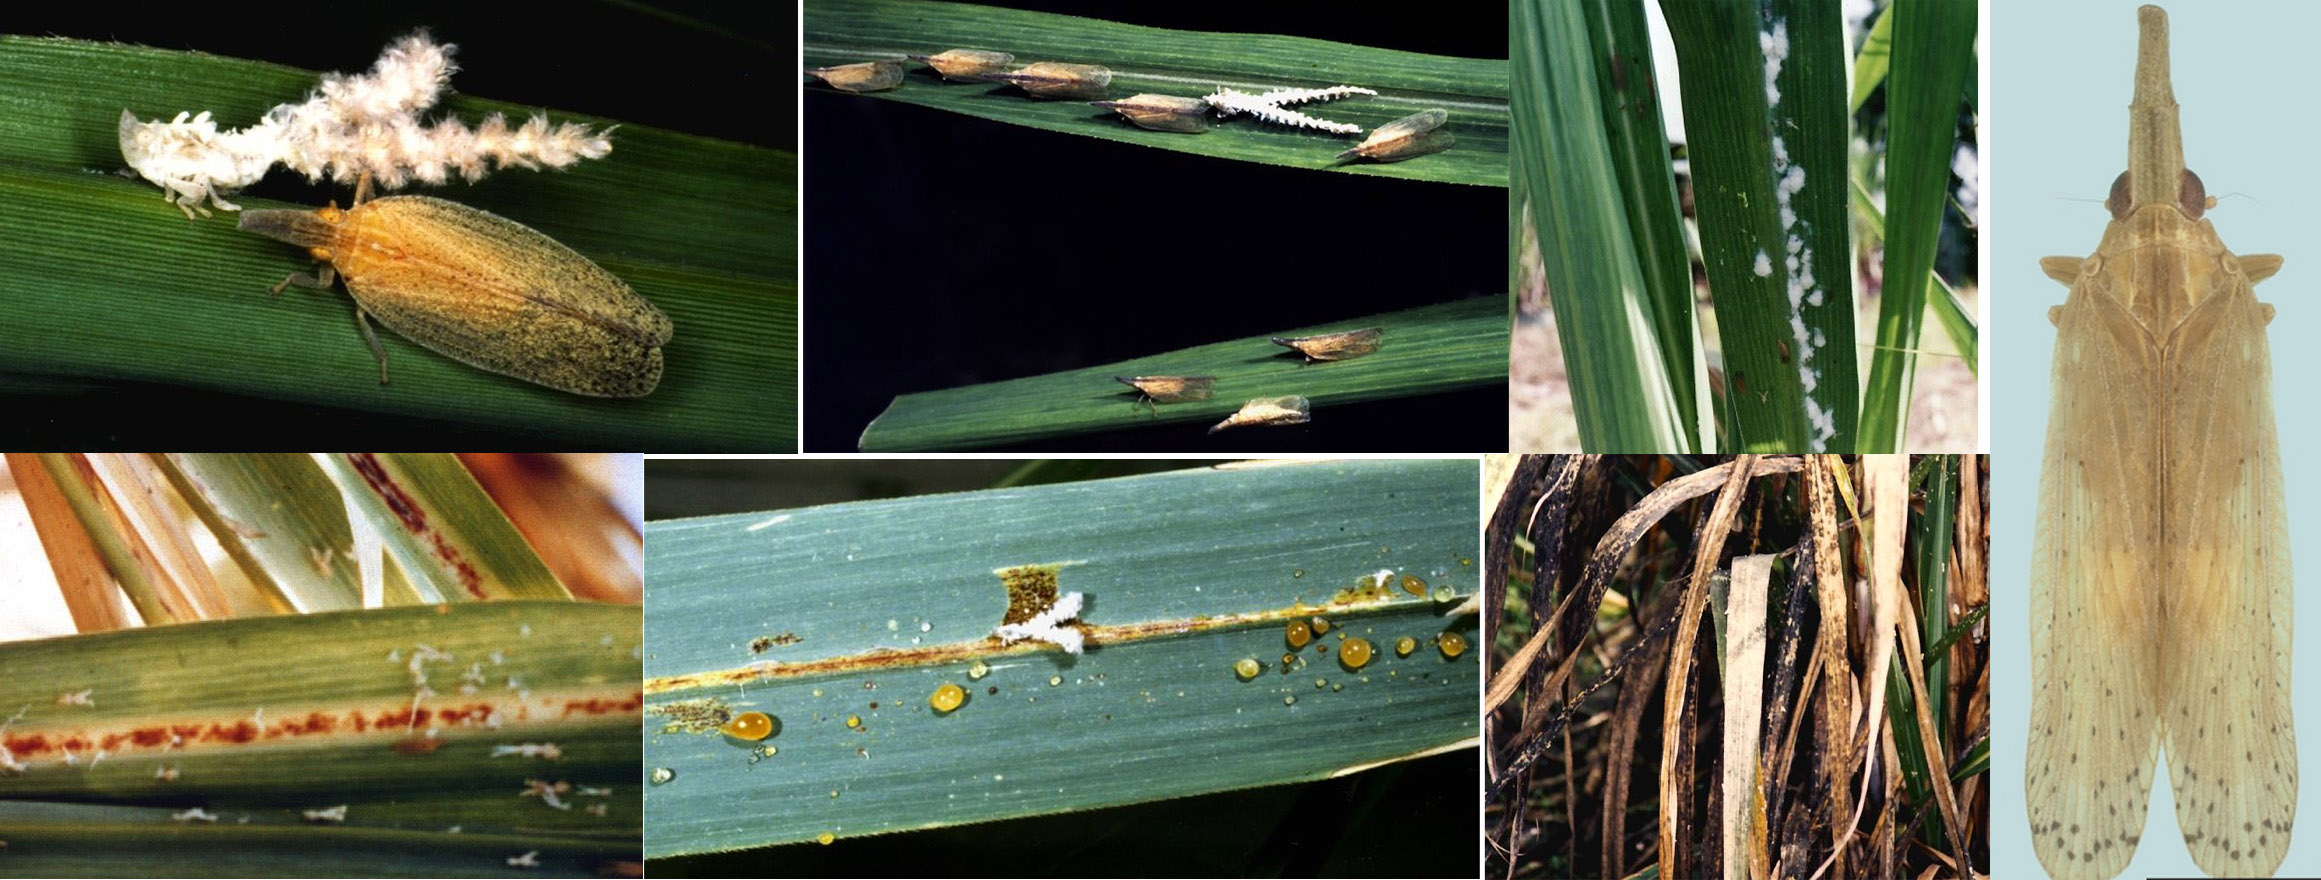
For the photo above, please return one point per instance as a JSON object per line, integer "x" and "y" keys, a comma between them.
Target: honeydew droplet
{"x": 1354, "y": 654}
{"x": 1299, "y": 633}
{"x": 1055, "y": 680}
{"x": 1452, "y": 644}
{"x": 854, "y": 721}
{"x": 752, "y": 726}
{"x": 1444, "y": 593}
{"x": 1290, "y": 700}
{"x": 1413, "y": 585}
{"x": 1247, "y": 668}
{"x": 1320, "y": 683}
{"x": 826, "y": 838}
{"x": 947, "y": 698}
{"x": 1403, "y": 646}
{"x": 662, "y": 775}
{"x": 977, "y": 670}
{"x": 1320, "y": 625}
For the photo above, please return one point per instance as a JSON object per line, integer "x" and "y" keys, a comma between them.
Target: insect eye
{"x": 2119, "y": 202}
{"x": 2192, "y": 195}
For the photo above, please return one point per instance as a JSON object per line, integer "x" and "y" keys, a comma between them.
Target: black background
{"x": 944, "y": 250}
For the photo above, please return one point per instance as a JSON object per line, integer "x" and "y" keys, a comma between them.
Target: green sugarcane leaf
{"x": 256, "y": 721}
{"x": 1623, "y": 393}
{"x": 841, "y": 622}
{"x": 1933, "y": 58}
{"x": 1461, "y": 344}
{"x": 1179, "y": 63}
{"x": 1769, "y": 172}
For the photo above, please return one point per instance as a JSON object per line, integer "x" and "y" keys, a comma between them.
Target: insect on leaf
{"x": 2160, "y": 583}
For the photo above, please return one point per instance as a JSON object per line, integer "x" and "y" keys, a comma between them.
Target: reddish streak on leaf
{"x": 30, "y": 746}
{"x": 634, "y": 703}
{"x": 414, "y": 520}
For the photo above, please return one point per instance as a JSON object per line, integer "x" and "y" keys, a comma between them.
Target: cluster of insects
{"x": 1287, "y": 410}
{"x": 1411, "y": 136}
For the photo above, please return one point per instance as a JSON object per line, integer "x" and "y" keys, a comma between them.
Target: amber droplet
{"x": 1354, "y": 654}
{"x": 947, "y": 698}
{"x": 826, "y": 838}
{"x": 1300, "y": 633}
{"x": 1320, "y": 624}
{"x": 752, "y": 726}
{"x": 854, "y": 721}
{"x": 1452, "y": 644}
{"x": 1403, "y": 646}
{"x": 1247, "y": 668}
{"x": 1413, "y": 585}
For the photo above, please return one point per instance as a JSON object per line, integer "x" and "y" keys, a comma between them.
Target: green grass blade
{"x": 1977, "y": 760}
{"x": 1870, "y": 63}
{"x": 1622, "y": 393}
{"x": 1429, "y": 349}
{"x": 1948, "y": 311}
{"x": 1932, "y": 553}
{"x": 1184, "y": 573}
{"x": 1775, "y": 338}
{"x": 1631, "y": 104}
{"x": 264, "y": 718}
{"x": 108, "y": 282}
{"x": 1933, "y": 59}
{"x": 1182, "y": 63}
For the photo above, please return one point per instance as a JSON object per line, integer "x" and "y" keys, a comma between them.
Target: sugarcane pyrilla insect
{"x": 1334, "y": 346}
{"x": 868, "y": 76}
{"x": 1059, "y": 79}
{"x": 1162, "y": 112}
{"x": 965, "y": 65}
{"x": 480, "y": 289}
{"x": 1290, "y": 410}
{"x": 1415, "y": 135}
{"x": 1153, "y": 390}
{"x": 2161, "y": 585}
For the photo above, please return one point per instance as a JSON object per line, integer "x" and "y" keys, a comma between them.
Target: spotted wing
{"x": 2088, "y": 767}
{"x": 2232, "y": 755}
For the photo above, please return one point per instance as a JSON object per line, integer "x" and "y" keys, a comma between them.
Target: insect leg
{"x": 322, "y": 279}
{"x": 363, "y": 320}
{"x": 362, "y": 190}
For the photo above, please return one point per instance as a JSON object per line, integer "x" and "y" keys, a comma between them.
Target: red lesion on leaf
{"x": 632, "y": 703}
{"x": 414, "y": 519}
{"x": 38, "y": 745}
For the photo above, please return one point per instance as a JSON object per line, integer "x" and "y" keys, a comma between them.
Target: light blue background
{"x": 2062, "y": 74}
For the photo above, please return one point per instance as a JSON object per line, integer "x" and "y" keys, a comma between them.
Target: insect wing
{"x": 2095, "y": 627}
{"x": 2232, "y": 751}
{"x": 1336, "y": 346}
{"x": 497, "y": 295}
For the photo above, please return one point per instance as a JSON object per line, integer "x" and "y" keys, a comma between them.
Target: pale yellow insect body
{"x": 868, "y": 76}
{"x": 481, "y": 289}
